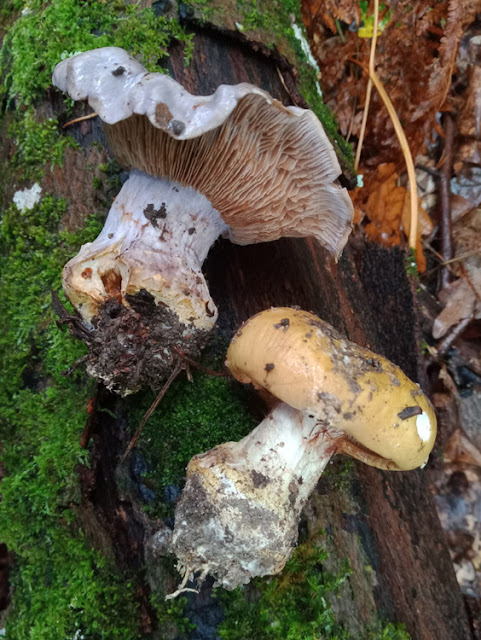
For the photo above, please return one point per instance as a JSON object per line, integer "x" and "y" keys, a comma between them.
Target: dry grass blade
{"x": 80, "y": 119}
{"x": 405, "y": 149}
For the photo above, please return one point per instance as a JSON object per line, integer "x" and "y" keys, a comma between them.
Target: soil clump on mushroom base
{"x": 153, "y": 339}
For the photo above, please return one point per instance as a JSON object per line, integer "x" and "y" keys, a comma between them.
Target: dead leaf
{"x": 460, "y": 207}
{"x": 467, "y": 241}
{"x": 415, "y": 60}
{"x": 386, "y": 206}
{"x": 462, "y": 298}
{"x": 460, "y": 450}
{"x": 461, "y": 303}
{"x": 345, "y": 10}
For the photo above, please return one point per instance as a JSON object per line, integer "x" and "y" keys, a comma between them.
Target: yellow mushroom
{"x": 238, "y": 514}
{"x": 303, "y": 361}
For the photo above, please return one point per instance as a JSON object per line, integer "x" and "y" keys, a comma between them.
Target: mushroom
{"x": 239, "y": 511}
{"x": 236, "y": 163}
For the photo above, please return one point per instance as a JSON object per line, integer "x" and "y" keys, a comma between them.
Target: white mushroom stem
{"x": 156, "y": 237}
{"x": 239, "y": 511}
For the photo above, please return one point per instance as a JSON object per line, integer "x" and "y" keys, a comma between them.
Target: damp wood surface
{"x": 385, "y": 520}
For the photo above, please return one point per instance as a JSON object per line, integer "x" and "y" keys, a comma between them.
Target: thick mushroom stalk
{"x": 155, "y": 238}
{"x": 269, "y": 170}
{"x": 239, "y": 511}
{"x": 237, "y": 517}
{"x": 146, "y": 263}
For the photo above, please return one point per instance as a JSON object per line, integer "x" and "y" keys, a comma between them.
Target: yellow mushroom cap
{"x": 306, "y": 363}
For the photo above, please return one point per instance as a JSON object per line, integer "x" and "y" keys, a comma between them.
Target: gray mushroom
{"x": 236, "y": 163}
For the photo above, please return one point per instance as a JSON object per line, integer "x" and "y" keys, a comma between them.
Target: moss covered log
{"x": 75, "y": 524}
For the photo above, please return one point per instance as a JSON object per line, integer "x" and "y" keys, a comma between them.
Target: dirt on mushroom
{"x": 256, "y": 488}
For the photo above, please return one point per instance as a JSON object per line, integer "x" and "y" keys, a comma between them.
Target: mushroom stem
{"x": 156, "y": 237}
{"x": 239, "y": 511}
{"x": 148, "y": 256}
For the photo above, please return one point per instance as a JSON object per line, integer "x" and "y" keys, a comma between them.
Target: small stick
{"x": 446, "y": 226}
{"x": 68, "y": 372}
{"x": 86, "y": 433}
{"x": 462, "y": 257}
{"x": 80, "y": 119}
{"x": 177, "y": 369}
{"x": 73, "y": 321}
{"x": 209, "y": 372}
{"x": 182, "y": 588}
{"x": 445, "y": 344}
{"x": 283, "y": 82}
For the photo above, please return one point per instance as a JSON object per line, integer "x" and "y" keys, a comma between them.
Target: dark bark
{"x": 385, "y": 519}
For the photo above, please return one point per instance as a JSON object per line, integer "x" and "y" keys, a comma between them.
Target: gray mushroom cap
{"x": 117, "y": 86}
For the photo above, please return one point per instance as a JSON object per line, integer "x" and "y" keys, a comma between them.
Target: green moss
{"x": 192, "y": 418}
{"x": 59, "y": 584}
{"x": 308, "y": 86}
{"x": 292, "y": 606}
{"x": 296, "y": 604}
{"x": 61, "y": 587}
{"x": 340, "y": 472}
{"x": 390, "y": 632}
{"x": 37, "y": 144}
{"x": 55, "y": 29}
{"x": 52, "y": 30}
{"x": 410, "y": 264}
{"x": 170, "y": 617}
{"x": 32, "y": 255}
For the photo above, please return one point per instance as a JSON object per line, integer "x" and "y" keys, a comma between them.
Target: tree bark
{"x": 383, "y": 519}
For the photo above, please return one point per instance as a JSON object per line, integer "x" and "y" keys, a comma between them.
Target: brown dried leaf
{"x": 460, "y": 450}
{"x": 345, "y": 10}
{"x": 387, "y": 208}
{"x": 415, "y": 58}
{"x": 461, "y": 302}
{"x": 460, "y": 207}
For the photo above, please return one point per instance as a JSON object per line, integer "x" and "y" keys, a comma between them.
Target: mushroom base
{"x": 137, "y": 346}
{"x": 238, "y": 514}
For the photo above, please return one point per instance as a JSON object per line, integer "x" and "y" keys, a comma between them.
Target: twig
{"x": 369, "y": 86}
{"x": 446, "y": 170}
{"x": 445, "y": 344}
{"x": 86, "y": 433}
{"x": 283, "y": 82}
{"x": 80, "y": 119}
{"x": 73, "y": 321}
{"x": 206, "y": 370}
{"x": 405, "y": 149}
{"x": 446, "y": 263}
{"x": 66, "y": 373}
{"x": 462, "y": 257}
{"x": 177, "y": 369}
{"x": 182, "y": 588}
{"x": 428, "y": 247}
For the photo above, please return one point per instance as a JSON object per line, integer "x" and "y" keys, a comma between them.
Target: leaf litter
{"x": 428, "y": 59}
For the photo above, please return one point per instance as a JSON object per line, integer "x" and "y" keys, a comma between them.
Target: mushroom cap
{"x": 270, "y": 170}
{"x": 306, "y": 363}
